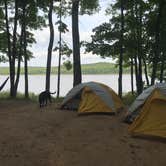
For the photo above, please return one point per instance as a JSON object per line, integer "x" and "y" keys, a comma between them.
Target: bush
{"x": 5, "y": 95}
{"x": 129, "y": 98}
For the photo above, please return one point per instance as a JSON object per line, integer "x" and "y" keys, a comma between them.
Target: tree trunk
{"x": 26, "y": 68}
{"x": 14, "y": 49}
{"x": 139, "y": 48}
{"x": 49, "y": 55}
{"x": 132, "y": 76}
{"x": 9, "y": 52}
{"x": 162, "y": 67}
{"x": 157, "y": 41}
{"x": 121, "y": 52}
{"x": 135, "y": 58}
{"x": 25, "y": 51}
{"x": 146, "y": 72}
{"x": 136, "y": 70}
{"x": 19, "y": 61}
{"x": 60, "y": 47}
{"x": 77, "y": 76}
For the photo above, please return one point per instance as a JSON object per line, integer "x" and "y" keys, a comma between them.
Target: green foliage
{"x": 65, "y": 50}
{"x": 129, "y": 98}
{"x": 140, "y": 22}
{"x": 5, "y": 95}
{"x": 20, "y": 96}
{"x": 89, "y": 6}
{"x": 67, "y": 65}
{"x": 62, "y": 27}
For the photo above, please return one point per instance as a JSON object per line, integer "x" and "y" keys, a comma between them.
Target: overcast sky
{"x": 86, "y": 24}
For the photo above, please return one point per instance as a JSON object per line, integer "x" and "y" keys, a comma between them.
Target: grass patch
{"x": 20, "y": 96}
{"x": 129, "y": 98}
{"x": 5, "y": 95}
{"x": 95, "y": 68}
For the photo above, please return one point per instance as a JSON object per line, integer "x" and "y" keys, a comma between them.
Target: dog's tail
{"x": 52, "y": 92}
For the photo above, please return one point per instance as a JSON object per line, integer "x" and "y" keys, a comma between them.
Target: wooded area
{"x": 134, "y": 36}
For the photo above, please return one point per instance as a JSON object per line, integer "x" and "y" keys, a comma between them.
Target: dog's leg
{"x": 50, "y": 99}
{"x": 46, "y": 102}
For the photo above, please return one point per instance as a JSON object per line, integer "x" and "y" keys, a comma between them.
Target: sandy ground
{"x": 30, "y": 136}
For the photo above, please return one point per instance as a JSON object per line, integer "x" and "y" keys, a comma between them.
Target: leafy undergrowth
{"x": 20, "y": 96}
{"x": 129, "y": 98}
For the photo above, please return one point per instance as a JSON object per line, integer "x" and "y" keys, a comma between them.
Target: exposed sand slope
{"x": 31, "y": 137}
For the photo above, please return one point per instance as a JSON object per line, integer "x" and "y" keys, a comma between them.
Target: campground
{"x": 30, "y": 136}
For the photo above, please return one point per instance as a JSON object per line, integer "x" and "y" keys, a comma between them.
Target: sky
{"x": 86, "y": 24}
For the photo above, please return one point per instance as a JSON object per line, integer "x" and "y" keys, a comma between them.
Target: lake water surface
{"x": 37, "y": 82}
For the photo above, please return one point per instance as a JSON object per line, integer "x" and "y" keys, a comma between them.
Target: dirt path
{"x": 31, "y": 137}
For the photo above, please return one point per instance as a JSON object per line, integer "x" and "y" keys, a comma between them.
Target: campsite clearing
{"x": 31, "y": 136}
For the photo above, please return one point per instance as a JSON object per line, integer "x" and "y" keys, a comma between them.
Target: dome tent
{"x": 92, "y": 97}
{"x": 148, "y": 112}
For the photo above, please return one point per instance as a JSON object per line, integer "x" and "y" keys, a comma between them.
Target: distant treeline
{"x": 96, "y": 68}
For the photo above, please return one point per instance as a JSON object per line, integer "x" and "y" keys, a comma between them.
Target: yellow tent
{"x": 151, "y": 119}
{"x": 92, "y": 97}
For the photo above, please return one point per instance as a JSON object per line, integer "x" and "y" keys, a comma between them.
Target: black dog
{"x": 44, "y": 97}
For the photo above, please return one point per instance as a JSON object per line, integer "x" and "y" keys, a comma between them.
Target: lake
{"x": 37, "y": 82}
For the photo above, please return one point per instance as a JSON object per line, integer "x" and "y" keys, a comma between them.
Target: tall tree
{"x": 49, "y": 55}
{"x": 121, "y": 50}
{"x": 77, "y": 77}
{"x": 62, "y": 27}
{"x": 14, "y": 50}
{"x": 25, "y": 15}
{"x": 132, "y": 74}
{"x": 9, "y": 50}
{"x": 138, "y": 8}
{"x": 161, "y": 5}
{"x": 25, "y": 48}
{"x": 19, "y": 61}
{"x": 60, "y": 49}
{"x": 162, "y": 68}
{"x": 86, "y": 7}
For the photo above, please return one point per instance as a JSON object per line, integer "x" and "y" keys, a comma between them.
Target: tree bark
{"x": 14, "y": 49}
{"x": 60, "y": 49}
{"x": 157, "y": 41}
{"x": 49, "y": 55}
{"x": 146, "y": 72}
{"x": 139, "y": 48}
{"x": 162, "y": 67}
{"x": 77, "y": 76}
{"x": 132, "y": 76}
{"x": 136, "y": 70}
{"x": 135, "y": 57}
{"x": 19, "y": 61}
{"x": 121, "y": 51}
{"x": 25, "y": 51}
{"x": 9, "y": 52}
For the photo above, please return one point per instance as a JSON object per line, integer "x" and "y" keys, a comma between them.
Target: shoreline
{"x": 97, "y": 68}
{"x": 39, "y": 74}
